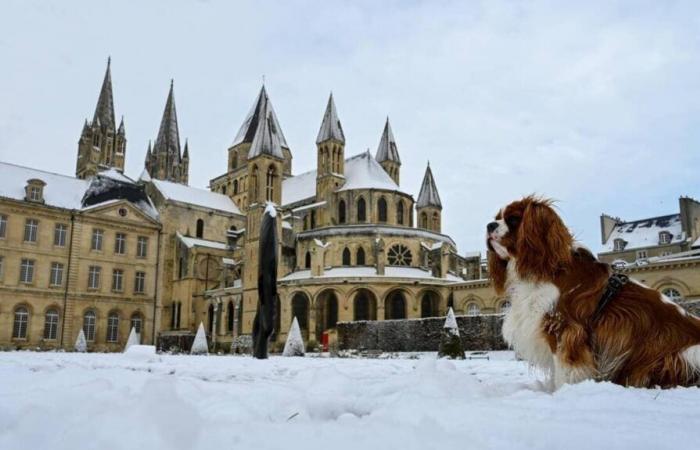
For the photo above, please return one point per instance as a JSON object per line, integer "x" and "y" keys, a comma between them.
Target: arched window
{"x": 346, "y": 257}
{"x": 254, "y": 185}
{"x": 428, "y": 307}
{"x": 200, "y": 228}
{"x": 423, "y": 220}
{"x": 307, "y": 260}
{"x": 210, "y": 317}
{"x": 19, "y": 329}
{"x": 399, "y": 255}
{"x": 313, "y": 220}
{"x": 341, "y": 211}
{"x": 300, "y": 310}
{"x": 673, "y": 294}
{"x": 473, "y": 309}
{"x": 399, "y": 212}
{"x": 364, "y": 306}
{"x": 360, "y": 257}
{"x": 89, "y": 326}
{"x": 235, "y": 187}
{"x": 223, "y": 189}
{"x": 436, "y": 221}
{"x": 51, "y": 324}
{"x": 112, "y": 327}
{"x": 361, "y": 210}
{"x": 229, "y": 317}
{"x": 395, "y": 307}
{"x": 136, "y": 323}
{"x": 270, "y": 184}
{"x": 381, "y": 207}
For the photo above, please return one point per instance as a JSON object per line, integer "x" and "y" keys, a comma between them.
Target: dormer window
{"x": 664, "y": 237}
{"x": 34, "y": 191}
{"x": 619, "y": 244}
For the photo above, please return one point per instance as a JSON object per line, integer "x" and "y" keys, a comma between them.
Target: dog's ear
{"x": 544, "y": 243}
{"x": 497, "y": 271}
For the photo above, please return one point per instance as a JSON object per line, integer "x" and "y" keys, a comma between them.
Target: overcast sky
{"x": 595, "y": 105}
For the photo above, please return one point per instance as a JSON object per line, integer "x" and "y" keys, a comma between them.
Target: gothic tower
{"x": 428, "y": 205}
{"x": 388, "y": 153}
{"x": 165, "y": 161}
{"x": 330, "y": 160}
{"x": 265, "y": 163}
{"x": 102, "y": 145}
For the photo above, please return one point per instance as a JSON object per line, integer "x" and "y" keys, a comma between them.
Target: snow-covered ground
{"x": 114, "y": 401}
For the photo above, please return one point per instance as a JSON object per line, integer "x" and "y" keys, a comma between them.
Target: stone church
{"x": 104, "y": 253}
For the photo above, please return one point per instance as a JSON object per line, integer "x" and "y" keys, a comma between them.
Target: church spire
{"x": 330, "y": 126}
{"x": 104, "y": 111}
{"x": 252, "y": 121}
{"x": 166, "y": 156}
{"x": 387, "y": 150}
{"x": 268, "y": 137}
{"x": 428, "y": 196}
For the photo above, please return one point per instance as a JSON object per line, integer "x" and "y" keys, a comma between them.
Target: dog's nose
{"x": 492, "y": 227}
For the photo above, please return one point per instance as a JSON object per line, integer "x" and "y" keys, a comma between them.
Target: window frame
{"x": 51, "y": 321}
{"x": 120, "y": 243}
{"x": 26, "y": 270}
{"x": 31, "y": 231}
{"x": 97, "y": 239}
{"x": 142, "y": 247}
{"x": 60, "y": 232}
{"x": 90, "y": 325}
{"x": 94, "y": 277}
{"x": 3, "y": 226}
{"x": 117, "y": 280}
{"x": 56, "y": 274}
{"x": 140, "y": 282}
{"x": 112, "y": 328}
{"x": 20, "y": 323}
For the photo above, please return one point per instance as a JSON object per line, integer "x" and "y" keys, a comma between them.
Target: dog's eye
{"x": 512, "y": 221}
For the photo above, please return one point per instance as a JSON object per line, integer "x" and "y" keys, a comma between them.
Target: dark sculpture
{"x": 263, "y": 325}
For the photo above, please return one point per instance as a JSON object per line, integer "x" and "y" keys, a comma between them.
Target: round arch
{"x": 395, "y": 305}
{"x": 300, "y": 309}
{"x": 364, "y": 304}
{"x": 429, "y": 303}
{"x": 326, "y": 308}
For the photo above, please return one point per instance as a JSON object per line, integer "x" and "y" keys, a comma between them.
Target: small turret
{"x": 388, "y": 153}
{"x": 428, "y": 205}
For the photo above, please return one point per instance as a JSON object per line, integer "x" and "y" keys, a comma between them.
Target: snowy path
{"x": 113, "y": 401}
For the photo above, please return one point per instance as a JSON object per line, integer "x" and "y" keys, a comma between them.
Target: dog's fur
{"x": 554, "y": 286}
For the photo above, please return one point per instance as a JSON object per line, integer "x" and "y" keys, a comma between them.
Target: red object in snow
{"x": 324, "y": 341}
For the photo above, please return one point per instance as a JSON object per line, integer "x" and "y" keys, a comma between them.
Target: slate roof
{"x": 247, "y": 132}
{"x": 330, "y": 126}
{"x": 428, "y": 195}
{"x": 387, "y": 150}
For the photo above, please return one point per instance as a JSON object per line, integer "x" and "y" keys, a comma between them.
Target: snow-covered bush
{"x": 450, "y": 342}
{"x": 295, "y": 344}
{"x": 200, "y": 346}
{"x": 80, "y": 342}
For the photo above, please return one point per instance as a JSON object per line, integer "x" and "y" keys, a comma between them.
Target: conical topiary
{"x": 133, "y": 339}
{"x": 450, "y": 342}
{"x": 295, "y": 344}
{"x": 80, "y": 342}
{"x": 199, "y": 345}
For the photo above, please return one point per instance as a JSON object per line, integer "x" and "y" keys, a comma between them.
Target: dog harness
{"x": 615, "y": 284}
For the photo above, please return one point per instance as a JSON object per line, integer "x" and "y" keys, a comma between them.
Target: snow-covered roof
{"x": 116, "y": 175}
{"x": 250, "y": 125}
{"x": 60, "y": 191}
{"x": 299, "y": 187}
{"x": 330, "y": 126}
{"x": 412, "y": 273}
{"x": 645, "y": 233}
{"x": 195, "y": 196}
{"x": 196, "y": 242}
{"x": 374, "y": 230}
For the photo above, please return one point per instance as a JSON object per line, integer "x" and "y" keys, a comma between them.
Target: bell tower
{"x": 330, "y": 160}
{"x": 388, "y": 153}
{"x": 428, "y": 205}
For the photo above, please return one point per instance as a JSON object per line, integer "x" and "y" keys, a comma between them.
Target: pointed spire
{"x": 186, "y": 152}
{"x": 387, "y": 150}
{"x": 121, "y": 126}
{"x": 330, "y": 126}
{"x": 168, "y": 140}
{"x": 268, "y": 136}
{"x": 428, "y": 195}
{"x": 252, "y": 122}
{"x": 148, "y": 153}
{"x": 104, "y": 111}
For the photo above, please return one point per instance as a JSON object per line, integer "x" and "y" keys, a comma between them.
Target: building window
{"x": 117, "y": 280}
{"x": 473, "y": 309}
{"x": 120, "y": 244}
{"x": 399, "y": 255}
{"x": 341, "y": 211}
{"x": 673, "y": 294}
{"x": 664, "y": 238}
{"x": 270, "y": 184}
{"x": 424, "y": 220}
{"x": 35, "y": 193}
{"x": 641, "y": 254}
{"x": 200, "y": 228}
{"x": 346, "y": 257}
{"x": 360, "y": 257}
{"x": 140, "y": 283}
{"x": 136, "y": 322}
{"x": 56, "y": 274}
{"x": 399, "y": 212}
{"x": 31, "y": 227}
{"x": 94, "y": 277}
{"x": 112, "y": 327}
{"x": 361, "y": 210}
{"x": 96, "y": 243}
{"x": 619, "y": 244}
{"x": 235, "y": 187}
{"x": 26, "y": 271}
{"x": 436, "y": 221}
{"x": 89, "y": 326}
{"x": 142, "y": 247}
{"x": 3, "y": 226}
{"x": 59, "y": 235}
{"x": 19, "y": 329}
{"x": 381, "y": 207}
{"x": 2, "y": 260}
{"x": 229, "y": 317}
{"x": 307, "y": 260}
{"x": 51, "y": 324}
{"x": 313, "y": 219}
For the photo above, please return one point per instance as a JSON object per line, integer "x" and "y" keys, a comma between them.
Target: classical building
{"x": 105, "y": 253}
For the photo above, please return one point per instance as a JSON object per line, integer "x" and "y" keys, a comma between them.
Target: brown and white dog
{"x": 554, "y": 286}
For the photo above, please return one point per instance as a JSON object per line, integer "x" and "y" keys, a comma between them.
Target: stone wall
{"x": 481, "y": 332}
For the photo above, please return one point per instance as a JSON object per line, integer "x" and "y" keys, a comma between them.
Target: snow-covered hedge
{"x": 481, "y": 332}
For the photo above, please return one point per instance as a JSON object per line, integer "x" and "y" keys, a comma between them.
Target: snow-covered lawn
{"x": 109, "y": 401}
